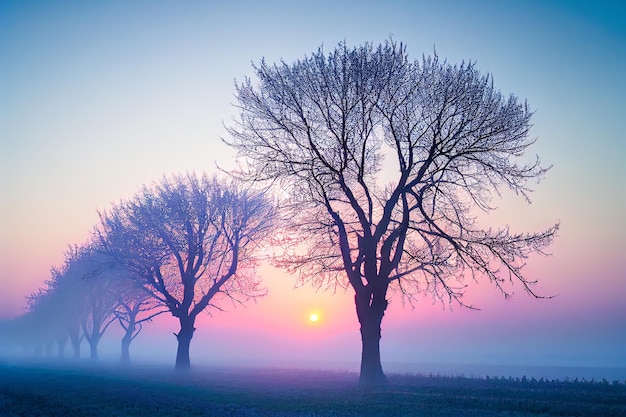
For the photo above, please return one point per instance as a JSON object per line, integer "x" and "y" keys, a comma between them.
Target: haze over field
{"x": 98, "y": 99}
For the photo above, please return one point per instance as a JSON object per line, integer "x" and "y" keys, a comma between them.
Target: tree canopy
{"x": 324, "y": 129}
{"x": 191, "y": 241}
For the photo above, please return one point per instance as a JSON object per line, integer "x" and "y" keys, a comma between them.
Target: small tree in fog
{"x": 323, "y": 128}
{"x": 191, "y": 240}
{"x": 71, "y": 305}
{"x": 96, "y": 282}
{"x": 43, "y": 324}
{"x": 81, "y": 300}
{"x": 135, "y": 307}
{"x": 57, "y": 311}
{"x": 111, "y": 293}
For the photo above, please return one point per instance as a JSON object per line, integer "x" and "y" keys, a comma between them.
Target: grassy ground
{"x": 142, "y": 391}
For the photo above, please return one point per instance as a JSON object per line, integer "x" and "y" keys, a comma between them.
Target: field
{"x": 29, "y": 390}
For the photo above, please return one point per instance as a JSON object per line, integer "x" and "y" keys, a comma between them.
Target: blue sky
{"x": 98, "y": 98}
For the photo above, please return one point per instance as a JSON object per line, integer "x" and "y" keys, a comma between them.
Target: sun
{"x": 314, "y": 317}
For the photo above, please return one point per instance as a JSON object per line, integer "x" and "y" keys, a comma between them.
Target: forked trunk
{"x": 370, "y": 311}
{"x": 127, "y": 339}
{"x": 184, "y": 341}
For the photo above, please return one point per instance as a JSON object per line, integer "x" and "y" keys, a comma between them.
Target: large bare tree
{"x": 191, "y": 240}
{"x": 324, "y": 128}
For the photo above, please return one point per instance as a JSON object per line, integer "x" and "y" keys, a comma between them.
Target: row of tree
{"x": 79, "y": 301}
{"x": 320, "y": 133}
{"x": 182, "y": 245}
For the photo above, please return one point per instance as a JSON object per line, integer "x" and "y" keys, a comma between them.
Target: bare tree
{"x": 42, "y": 327}
{"x": 95, "y": 284}
{"x": 80, "y": 301}
{"x": 323, "y": 128}
{"x": 135, "y": 307}
{"x": 192, "y": 241}
{"x": 72, "y": 305}
{"x": 57, "y": 311}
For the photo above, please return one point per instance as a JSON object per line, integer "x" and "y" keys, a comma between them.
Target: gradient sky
{"x": 98, "y": 98}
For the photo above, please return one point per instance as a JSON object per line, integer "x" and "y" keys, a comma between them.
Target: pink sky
{"x": 97, "y": 100}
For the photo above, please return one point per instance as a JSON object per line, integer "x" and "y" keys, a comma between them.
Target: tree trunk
{"x": 128, "y": 337}
{"x": 370, "y": 311}
{"x": 184, "y": 341}
{"x": 93, "y": 351}
{"x": 93, "y": 347}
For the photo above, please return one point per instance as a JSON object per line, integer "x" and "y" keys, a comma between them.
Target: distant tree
{"x": 25, "y": 333}
{"x": 109, "y": 293}
{"x": 191, "y": 240}
{"x": 323, "y": 128}
{"x": 94, "y": 282}
{"x": 39, "y": 326}
{"x": 80, "y": 301}
{"x": 52, "y": 314}
{"x": 135, "y": 307}
{"x": 72, "y": 306}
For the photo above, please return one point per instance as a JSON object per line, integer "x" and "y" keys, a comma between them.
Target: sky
{"x": 98, "y": 98}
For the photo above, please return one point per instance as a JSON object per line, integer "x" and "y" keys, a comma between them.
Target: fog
{"x": 93, "y": 113}
{"x": 156, "y": 346}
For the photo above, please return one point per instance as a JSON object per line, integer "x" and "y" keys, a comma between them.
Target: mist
{"x": 111, "y": 106}
{"x": 240, "y": 348}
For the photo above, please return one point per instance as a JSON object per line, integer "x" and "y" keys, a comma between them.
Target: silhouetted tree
{"x": 53, "y": 314}
{"x": 94, "y": 282}
{"x": 190, "y": 240}
{"x": 70, "y": 304}
{"x": 135, "y": 307}
{"x": 323, "y": 128}
{"x": 39, "y": 326}
{"x": 81, "y": 300}
{"x": 70, "y": 309}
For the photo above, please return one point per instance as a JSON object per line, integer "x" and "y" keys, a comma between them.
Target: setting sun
{"x": 313, "y": 317}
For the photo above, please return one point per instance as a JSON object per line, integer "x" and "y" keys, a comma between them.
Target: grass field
{"x": 28, "y": 390}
